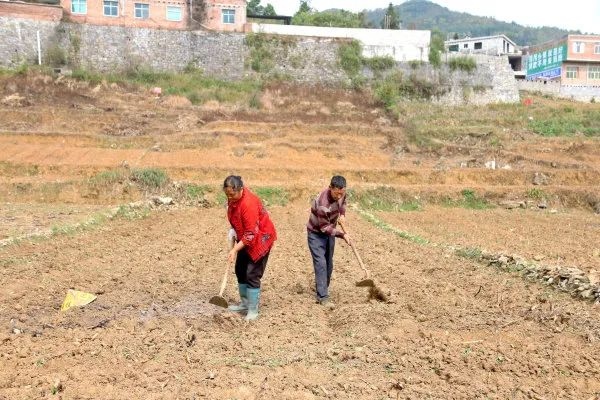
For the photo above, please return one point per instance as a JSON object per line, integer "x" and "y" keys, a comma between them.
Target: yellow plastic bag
{"x": 75, "y": 298}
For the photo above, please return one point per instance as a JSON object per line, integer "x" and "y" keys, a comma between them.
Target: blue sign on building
{"x": 547, "y": 74}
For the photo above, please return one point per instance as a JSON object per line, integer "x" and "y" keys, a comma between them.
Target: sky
{"x": 576, "y": 14}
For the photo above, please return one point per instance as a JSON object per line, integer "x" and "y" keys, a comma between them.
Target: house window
{"x": 572, "y": 72}
{"x": 79, "y": 6}
{"x": 141, "y": 10}
{"x": 597, "y": 48}
{"x": 593, "y": 72}
{"x": 578, "y": 47}
{"x": 173, "y": 13}
{"x": 466, "y": 45}
{"x": 478, "y": 45}
{"x": 111, "y": 8}
{"x": 228, "y": 16}
{"x": 453, "y": 47}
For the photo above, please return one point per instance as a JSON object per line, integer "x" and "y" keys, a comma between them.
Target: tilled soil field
{"x": 455, "y": 326}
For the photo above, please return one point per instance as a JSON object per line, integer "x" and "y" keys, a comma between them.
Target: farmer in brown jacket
{"x": 326, "y": 209}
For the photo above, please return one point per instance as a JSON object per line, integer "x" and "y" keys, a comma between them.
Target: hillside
{"x": 423, "y": 14}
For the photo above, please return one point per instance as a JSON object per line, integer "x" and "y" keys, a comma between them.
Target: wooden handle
{"x": 224, "y": 282}
{"x": 360, "y": 262}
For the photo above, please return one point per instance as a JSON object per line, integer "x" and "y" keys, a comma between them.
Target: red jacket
{"x": 252, "y": 224}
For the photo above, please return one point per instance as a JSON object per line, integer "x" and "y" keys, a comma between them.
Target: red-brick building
{"x": 573, "y": 59}
{"x": 217, "y": 15}
{"x": 18, "y": 9}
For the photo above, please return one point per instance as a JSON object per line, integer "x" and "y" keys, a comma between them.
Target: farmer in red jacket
{"x": 255, "y": 235}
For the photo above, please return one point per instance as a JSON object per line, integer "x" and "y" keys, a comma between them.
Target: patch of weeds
{"x": 191, "y": 83}
{"x": 55, "y": 56}
{"x": 462, "y": 63}
{"x": 261, "y": 52}
{"x": 275, "y": 363}
{"x": 469, "y": 200}
{"x": 567, "y": 121}
{"x": 195, "y": 192}
{"x": 536, "y": 194}
{"x": 51, "y": 190}
{"x": 272, "y": 195}
{"x": 221, "y": 198}
{"x": 109, "y": 177}
{"x": 297, "y": 61}
{"x": 467, "y": 351}
{"x": 93, "y": 78}
{"x": 396, "y": 86}
{"x": 495, "y": 142}
{"x": 350, "y": 57}
{"x": 131, "y": 212}
{"x": 380, "y": 63}
{"x": 384, "y": 199}
{"x": 255, "y": 101}
{"x": 358, "y": 82}
{"x": 12, "y": 169}
{"x": 415, "y": 64}
{"x": 63, "y": 230}
{"x": 389, "y": 228}
{"x": 150, "y": 178}
{"x": 472, "y": 253}
{"x": 55, "y": 388}
{"x": 22, "y": 69}
{"x": 555, "y": 127}
{"x": 71, "y": 229}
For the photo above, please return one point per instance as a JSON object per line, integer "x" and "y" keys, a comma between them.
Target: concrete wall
{"x": 399, "y": 44}
{"x": 554, "y": 88}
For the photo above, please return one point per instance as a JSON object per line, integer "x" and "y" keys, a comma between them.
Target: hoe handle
{"x": 224, "y": 282}
{"x": 360, "y": 262}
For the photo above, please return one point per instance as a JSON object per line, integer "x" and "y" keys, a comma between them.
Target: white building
{"x": 402, "y": 45}
{"x": 492, "y": 45}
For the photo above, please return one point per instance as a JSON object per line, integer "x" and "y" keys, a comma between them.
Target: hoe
{"x": 366, "y": 281}
{"x": 219, "y": 300}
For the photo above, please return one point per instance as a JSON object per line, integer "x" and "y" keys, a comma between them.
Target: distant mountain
{"x": 423, "y": 14}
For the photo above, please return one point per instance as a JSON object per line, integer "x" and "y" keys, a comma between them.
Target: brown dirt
{"x": 454, "y": 328}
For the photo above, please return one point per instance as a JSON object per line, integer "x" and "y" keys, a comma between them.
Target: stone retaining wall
{"x": 228, "y": 56}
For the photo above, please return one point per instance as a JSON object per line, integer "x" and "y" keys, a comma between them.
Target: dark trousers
{"x": 321, "y": 248}
{"x": 248, "y": 271}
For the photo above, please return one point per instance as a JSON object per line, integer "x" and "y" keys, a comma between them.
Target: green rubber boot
{"x": 253, "y": 299}
{"x": 243, "y": 306}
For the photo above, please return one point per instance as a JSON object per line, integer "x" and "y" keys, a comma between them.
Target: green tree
{"x": 304, "y": 7}
{"x": 254, "y": 8}
{"x": 270, "y": 10}
{"x": 364, "y": 20}
{"x": 336, "y": 18}
{"x": 391, "y": 19}
{"x": 436, "y": 48}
